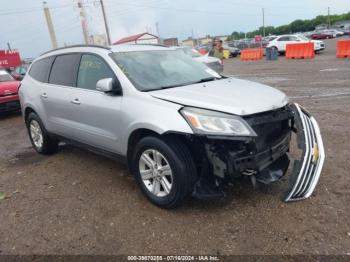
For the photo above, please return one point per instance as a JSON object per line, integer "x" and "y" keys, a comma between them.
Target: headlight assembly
{"x": 215, "y": 123}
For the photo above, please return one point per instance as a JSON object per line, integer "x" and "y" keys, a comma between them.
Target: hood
{"x": 207, "y": 59}
{"x": 9, "y": 87}
{"x": 231, "y": 95}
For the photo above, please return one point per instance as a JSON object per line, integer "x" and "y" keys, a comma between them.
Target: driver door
{"x": 97, "y": 115}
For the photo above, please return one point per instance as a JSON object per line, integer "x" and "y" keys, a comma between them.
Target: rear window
{"x": 65, "y": 70}
{"x": 40, "y": 69}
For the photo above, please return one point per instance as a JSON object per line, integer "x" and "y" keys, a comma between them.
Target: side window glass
{"x": 64, "y": 70}
{"x": 40, "y": 70}
{"x": 284, "y": 38}
{"x": 92, "y": 69}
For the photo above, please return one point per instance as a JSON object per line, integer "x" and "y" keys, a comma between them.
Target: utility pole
{"x": 105, "y": 22}
{"x": 329, "y": 18}
{"x": 9, "y": 46}
{"x": 263, "y": 20}
{"x": 50, "y": 25}
{"x": 83, "y": 22}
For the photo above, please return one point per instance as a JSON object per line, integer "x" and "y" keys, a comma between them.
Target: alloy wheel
{"x": 156, "y": 173}
{"x": 36, "y": 134}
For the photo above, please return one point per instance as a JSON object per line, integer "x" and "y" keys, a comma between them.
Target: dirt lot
{"x": 76, "y": 202}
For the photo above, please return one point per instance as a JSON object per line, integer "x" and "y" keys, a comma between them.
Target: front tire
{"x": 164, "y": 170}
{"x": 39, "y": 137}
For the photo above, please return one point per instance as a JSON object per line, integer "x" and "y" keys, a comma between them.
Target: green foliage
{"x": 294, "y": 27}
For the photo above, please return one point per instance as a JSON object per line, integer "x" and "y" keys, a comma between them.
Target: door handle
{"x": 75, "y": 101}
{"x": 44, "y": 95}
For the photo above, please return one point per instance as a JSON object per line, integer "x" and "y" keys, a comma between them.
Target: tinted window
{"x": 65, "y": 69}
{"x": 40, "y": 69}
{"x": 284, "y": 38}
{"x": 92, "y": 69}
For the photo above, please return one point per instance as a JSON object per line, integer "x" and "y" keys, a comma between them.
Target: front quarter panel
{"x": 142, "y": 111}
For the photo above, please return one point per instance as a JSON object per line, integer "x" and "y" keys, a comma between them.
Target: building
{"x": 191, "y": 42}
{"x": 221, "y": 37}
{"x": 98, "y": 39}
{"x": 171, "y": 41}
{"x": 205, "y": 40}
{"x": 143, "y": 38}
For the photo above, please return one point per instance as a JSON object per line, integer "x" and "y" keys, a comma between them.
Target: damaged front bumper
{"x": 265, "y": 158}
{"x": 307, "y": 170}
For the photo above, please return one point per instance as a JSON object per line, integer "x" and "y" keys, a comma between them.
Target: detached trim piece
{"x": 307, "y": 170}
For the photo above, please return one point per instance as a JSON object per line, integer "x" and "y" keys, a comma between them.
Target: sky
{"x": 23, "y": 22}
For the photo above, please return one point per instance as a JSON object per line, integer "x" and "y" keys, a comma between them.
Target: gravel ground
{"x": 76, "y": 202}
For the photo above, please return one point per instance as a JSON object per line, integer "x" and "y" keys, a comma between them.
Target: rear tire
{"x": 39, "y": 137}
{"x": 175, "y": 158}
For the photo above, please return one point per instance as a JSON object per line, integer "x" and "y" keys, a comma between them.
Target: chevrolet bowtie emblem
{"x": 315, "y": 153}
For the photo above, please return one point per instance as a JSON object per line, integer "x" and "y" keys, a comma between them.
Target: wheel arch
{"x": 137, "y": 134}
{"x": 27, "y": 111}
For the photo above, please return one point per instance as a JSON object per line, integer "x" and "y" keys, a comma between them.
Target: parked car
{"x": 234, "y": 51}
{"x": 181, "y": 128}
{"x": 9, "y": 100}
{"x": 19, "y": 72}
{"x": 212, "y": 62}
{"x": 333, "y": 32}
{"x": 321, "y": 35}
{"x": 280, "y": 43}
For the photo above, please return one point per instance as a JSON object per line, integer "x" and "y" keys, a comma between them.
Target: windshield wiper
{"x": 171, "y": 86}
{"x": 207, "y": 79}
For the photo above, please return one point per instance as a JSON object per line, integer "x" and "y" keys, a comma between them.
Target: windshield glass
{"x": 154, "y": 70}
{"x": 4, "y": 76}
{"x": 191, "y": 52}
{"x": 303, "y": 37}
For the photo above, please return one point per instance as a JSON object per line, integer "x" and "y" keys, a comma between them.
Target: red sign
{"x": 9, "y": 58}
{"x": 258, "y": 38}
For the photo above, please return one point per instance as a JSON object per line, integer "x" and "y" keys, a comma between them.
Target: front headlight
{"x": 215, "y": 123}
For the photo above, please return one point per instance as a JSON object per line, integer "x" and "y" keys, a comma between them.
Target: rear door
{"x": 57, "y": 94}
{"x": 97, "y": 114}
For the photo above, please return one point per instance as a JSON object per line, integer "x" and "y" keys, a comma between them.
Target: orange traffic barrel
{"x": 300, "y": 50}
{"x": 343, "y": 49}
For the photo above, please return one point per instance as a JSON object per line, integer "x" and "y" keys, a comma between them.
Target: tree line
{"x": 294, "y": 27}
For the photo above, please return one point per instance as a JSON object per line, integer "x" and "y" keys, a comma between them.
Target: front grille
{"x": 8, "y": 94}
{"x": 9, "y": 106}
{"x": 270, "y": 127}
{"x": 308, "y": 169}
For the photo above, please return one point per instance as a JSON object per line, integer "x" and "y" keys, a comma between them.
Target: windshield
{"x": 154, "y": 70}
{"x": 303, "y": 37}
{"x": 191, "y": 52}
{"x": 4, "y": 76}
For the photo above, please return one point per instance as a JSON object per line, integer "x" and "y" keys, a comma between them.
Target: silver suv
{"x": 181, "y": 128}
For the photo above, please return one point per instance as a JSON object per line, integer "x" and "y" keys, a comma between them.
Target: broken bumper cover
{"x": 307, "y": 170}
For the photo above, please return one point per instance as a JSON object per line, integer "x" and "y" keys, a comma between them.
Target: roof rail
{"x": 161, "y": 45}
{"x": 71, "y": 46}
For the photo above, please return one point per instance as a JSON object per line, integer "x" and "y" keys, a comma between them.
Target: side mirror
{"x": 109, "y": 85}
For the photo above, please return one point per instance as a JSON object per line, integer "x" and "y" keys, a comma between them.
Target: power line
{"x": 30, "y": 10}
